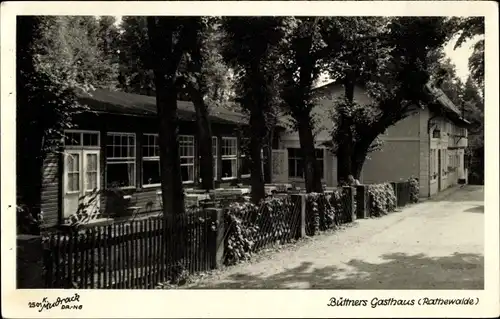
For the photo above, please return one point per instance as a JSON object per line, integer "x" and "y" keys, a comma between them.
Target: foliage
{"x": 414, "y": 190}
{"x": 251, "y": 48}
{"x": 324, "y": 213}
{"x": 472, "y": 28}
{"x": 88, "y": 210}
{"x": 57, "y": 58}
{"x": 203, "y": 66}
{"x": 382, "y": 199}
{"x": 27, "y": 223}
{"x": 179, "y": 275}
{"x": 302, "y": 62}
{"x": 136, "y": 74}
{"x": 476, "y": 64}
{"x": 239, "y": 244}
{"x": 393, "y": 68}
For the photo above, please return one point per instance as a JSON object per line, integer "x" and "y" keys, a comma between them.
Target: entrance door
{"x": 81, "y": 181}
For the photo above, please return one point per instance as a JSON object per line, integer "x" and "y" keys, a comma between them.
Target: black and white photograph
{"x": 279, "y": 152}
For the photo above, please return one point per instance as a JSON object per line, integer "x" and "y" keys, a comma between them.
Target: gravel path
{"x": 437, "y": 244}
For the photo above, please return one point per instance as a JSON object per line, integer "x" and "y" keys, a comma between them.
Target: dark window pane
{"x": 291, "y": 167}
{"x": 300, "y": 168}
{"x": 227, "y": 168}
{"x": 119, "y": 175}
{"x": 320, "y": 166}
{"x": 187, "y": 173}
{"x": 151, "y": 172}
{"x": 110, "y": 151}
{"x": 72, "y": 139}
{"x": 110, "y": 140}
{"x": 245, "y": 166}
{"x": 90, "y": 139}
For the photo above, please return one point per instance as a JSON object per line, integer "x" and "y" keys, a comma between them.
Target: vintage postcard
{"x": 250, "y": 159}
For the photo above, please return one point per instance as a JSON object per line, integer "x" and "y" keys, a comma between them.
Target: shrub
{"x": 239, "y": 243}
{"x": 322, "y": 210}
{"x": 87, "y": 210}
{"x": 414, "y": 189}
{"x": 383, "y": 199}
{"x": 26, "y": 222}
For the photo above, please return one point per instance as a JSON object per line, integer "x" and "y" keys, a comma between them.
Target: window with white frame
{"x": 150, "y": 160}
{"x": 296, "y": 166}
{"x": 215, "y": 153}
{"x": 229, "y": 153}
{"x": 73, "y": 173}
{"x": 186, "y": 151}
{"x": 120, "y": 160}
{"x": 81, "y": 138}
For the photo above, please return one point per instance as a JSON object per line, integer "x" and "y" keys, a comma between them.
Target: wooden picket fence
{"x": 133, "y": 255}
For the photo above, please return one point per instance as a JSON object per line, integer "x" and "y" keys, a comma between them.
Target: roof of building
{"x": 444, "y": 102}
{"x": 115, "y": 102}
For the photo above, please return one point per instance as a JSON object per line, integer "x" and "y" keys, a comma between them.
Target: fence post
{"x": 351, "y": 212}
{"x": 303, "y": 206}
{"x": 216, "y": 243}
{"x": 407, "y": 192}
{"x": 362, "y": 208}
{"x": 300, "y": 199}
{"x": 30, "y": 262}
{"x": 395, "y": 189}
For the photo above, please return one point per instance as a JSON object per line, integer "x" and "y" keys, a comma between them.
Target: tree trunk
{"x": 344, "y": 168}
{"x": 171, "y": 180}
{"x": 204, "y": 139}
{"x": 268, "y": 154}
{"x": 360, "y": 150}
{"x": 345, "y": 140}
{"x": 258, "y": 127}
{"x": 161, "y": 38}
{"x": 30, "y": 120}
{"x": 312, "y": 176}
{"x": 358, "y": 160}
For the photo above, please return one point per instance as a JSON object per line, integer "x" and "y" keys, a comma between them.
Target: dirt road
{"x": 437, "y": 244}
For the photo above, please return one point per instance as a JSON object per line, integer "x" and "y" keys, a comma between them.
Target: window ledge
{"x": 245, "y": 176}
{"x": 228, "y": 178}
{"x": 124, "y": 187}
{"x": 151, "y": 185}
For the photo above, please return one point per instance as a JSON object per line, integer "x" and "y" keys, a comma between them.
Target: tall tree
{"x": 303, "y": 63}
{"x": 167, "y": 42}
{"x": 136, "y": 74}
{"x": 472, "y": 28}
{"x": 108, "y": 44}
{"x": 203, "y": 80}
{"x": 252, "y": 49}
{"x": 396, "y": 86}
{"x": 56, "y": 57}
{"x": 355, "y": 54}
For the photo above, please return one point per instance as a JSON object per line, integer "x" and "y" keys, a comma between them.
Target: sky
{"x": 460, "y": 56}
